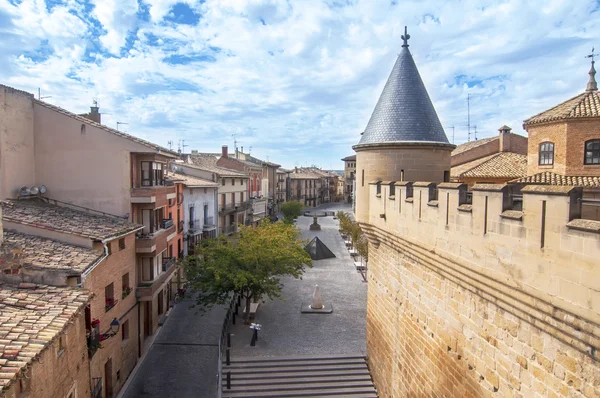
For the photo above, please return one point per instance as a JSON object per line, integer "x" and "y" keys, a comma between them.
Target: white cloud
{"x": 297, "y": 80}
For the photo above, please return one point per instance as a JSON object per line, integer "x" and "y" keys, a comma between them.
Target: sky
{"x": 293, "y": 81}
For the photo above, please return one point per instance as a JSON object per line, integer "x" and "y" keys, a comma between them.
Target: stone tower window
{"x": 546, "y": 153}
{"x": 592, "y": 152}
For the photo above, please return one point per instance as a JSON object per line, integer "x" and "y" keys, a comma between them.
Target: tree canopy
{"x": 291, "y": 210}
{"x": 249, "y": 263}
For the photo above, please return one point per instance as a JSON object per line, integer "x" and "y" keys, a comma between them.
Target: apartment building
{"x": 200, "y": 203}
{"x": 282, "y": 193}
{"x": 349, "y": 177}
{"x": 233, "y": 205}
{"x": 305, "y": 187}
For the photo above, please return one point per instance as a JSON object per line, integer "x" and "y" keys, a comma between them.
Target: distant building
{"x": 349, "y": 177}
{"x": 305, "y": 186}
{"x": 282, "y": 191}
{"x": 493, "y": 160}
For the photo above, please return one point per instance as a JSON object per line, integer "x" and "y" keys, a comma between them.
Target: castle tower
{"x": 404, "y": 139}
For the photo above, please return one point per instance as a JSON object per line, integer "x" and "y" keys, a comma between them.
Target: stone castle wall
{"x": 480, "y": 300}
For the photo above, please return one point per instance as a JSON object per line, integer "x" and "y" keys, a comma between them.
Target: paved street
{"x": 183, "y": 360}
{"x": 288, "y": 332}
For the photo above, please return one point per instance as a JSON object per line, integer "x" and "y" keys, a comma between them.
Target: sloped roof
{"x": 192, "y": 182}
{"x": 498, "y": 165}
{"x": 41, "y": 253}
{"x": 349, "y": 158}
{"x": 467, "y": 146}
{"x": 118, "y": 133}
{"x": 40, "y": 214}
{"x": 550, "y": 178}
{"x": 209, "y": 163}
{"x": 584, "y": 105}
{"x": 404, "y": 112}
{"x": 31, "y": 317}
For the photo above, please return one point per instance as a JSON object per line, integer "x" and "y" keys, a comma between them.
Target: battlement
{"x": 532, "y": 240}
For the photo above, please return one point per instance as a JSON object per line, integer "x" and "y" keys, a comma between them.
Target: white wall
{"x": 197, "y": 197}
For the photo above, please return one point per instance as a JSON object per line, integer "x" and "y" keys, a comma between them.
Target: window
{"x": 109, "y": 297}
{"x": 363, "y": 178}
{"x": 223, "y": 182}
{"x": 446, "y": 176}
{"x": 125, "y": 287}
{"x": 109, "y": 248}
{"x": 546, "y": 153}
{"x": 153, "y": 173}
{"x": 241, "y": 182}
{"x": 125, "y": 330}
{"x": 592, "y": 152}
{"x": 61, "y": 344}
{"x": 146, "y": 177}
{"x": 122, "y": 244}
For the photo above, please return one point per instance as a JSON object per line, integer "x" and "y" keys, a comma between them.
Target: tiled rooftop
{"x": 583, "y": 105}
{"x": 304, "y": 176}
{"x": 209, "y": 163}
{"x": 498, "y": 165}
{"x": 550, "y": 178}
{"x": 192, "y": 182}
{"x": 37, "y": 213}
{"x": 41, "y": 253}
{"x": 467, "y": 146}
{"x": 31, "y": 317}
{"x": 349, "y": 158}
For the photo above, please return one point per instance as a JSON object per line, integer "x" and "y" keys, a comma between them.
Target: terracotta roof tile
{"x": 581, "y": 106}
{"x": 21, "y": 250}
{"x": 550, "y": 178}
{"x": 499, "y": 165}
{"x": 349, "y": 158}
{"x": 31, "y": 317}
{"x": 39, "y": 214}
{"x": 192, "y": 182}
{"x": 209, "y": 163}
{"x": 467, "y": 146}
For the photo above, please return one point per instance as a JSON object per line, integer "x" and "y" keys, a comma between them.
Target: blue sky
{"x": 294, "y": 80}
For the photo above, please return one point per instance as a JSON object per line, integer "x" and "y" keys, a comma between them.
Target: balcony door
{"x": 205, "y": 214}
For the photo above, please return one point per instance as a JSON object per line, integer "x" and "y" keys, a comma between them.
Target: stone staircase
{"x": 291, "y": 377}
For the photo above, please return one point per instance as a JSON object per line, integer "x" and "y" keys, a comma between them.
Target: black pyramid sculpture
{"x": 318, "y": 250}
{"x": 404, "y": 112}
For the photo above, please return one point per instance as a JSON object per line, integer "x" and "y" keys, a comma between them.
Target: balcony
{"x": 228, "y": 230}
{"x": 167, "y": 223}
{"x": 149, "y": 288}
{"x": 180, "y": 227}
{"x": 209, "y": 224}
{"x": 195, "y": 225}
{"x": 159, "y": 194}
{"x": 93, "y": 339}
{"x": 156, "y": 241}
{"x": 233, "y": 207}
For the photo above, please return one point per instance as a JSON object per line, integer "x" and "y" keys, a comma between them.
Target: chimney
{"x": 237, "y": 154}
{"x": 94, "y": 114}
{"x": 224, "y": 151}
{"x": 242, "y": 151}
{"x": 504, "y": 141}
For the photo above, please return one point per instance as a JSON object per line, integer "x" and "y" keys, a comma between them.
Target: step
{"x": 286, "y": 375}
{"x": 317, "y": 378}
{"x": 329, "y": 385}
{"x": 297, "y": 358}
{"x": 345, "y": 392}
{"x": 268, "y": 364}
{"x": 308, "y": 368}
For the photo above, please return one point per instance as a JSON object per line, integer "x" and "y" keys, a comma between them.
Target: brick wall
{"x": 480, "y": 151}
{"x": 122, "y": 353}
{"x": 56, "y": 374}
{"x": 578, "y": 133}
{"x": 556, "y": 133}
{"x": 471, "y": 304}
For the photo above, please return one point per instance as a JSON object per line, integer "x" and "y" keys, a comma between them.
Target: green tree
{"x": 250, "y": 263}
{"x": 291, "y": 210}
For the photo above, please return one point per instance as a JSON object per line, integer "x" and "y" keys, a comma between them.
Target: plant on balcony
{"x": 95, "y": 322}
{"x": 250, "y": 265}
{"x": 110, "y": 302}
{"x": 126, "y": 291}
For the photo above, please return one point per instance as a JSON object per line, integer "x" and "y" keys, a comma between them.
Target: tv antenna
{"x": 475, "y": 132}
{"x": 182, "y": 146}
{"x": 170, "y": 144}
{"x": 49, "y": 96}
{"x": 120, "y": 123}
{"x": 249, "y": 149}
{"x": 452, "y": 127}
{"x": 234, "y": 141}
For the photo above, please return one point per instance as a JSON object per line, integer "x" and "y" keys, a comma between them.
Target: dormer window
{"x": 546, "y": 153}
{"x": 592, "y": 152}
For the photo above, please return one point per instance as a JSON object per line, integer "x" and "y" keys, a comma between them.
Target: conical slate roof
{"x": 404, "y": 112}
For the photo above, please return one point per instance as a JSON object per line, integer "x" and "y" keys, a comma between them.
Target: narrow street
{"x": 182, "y": 362}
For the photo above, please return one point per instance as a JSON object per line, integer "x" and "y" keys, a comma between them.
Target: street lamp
{"x": 114, "y": 326}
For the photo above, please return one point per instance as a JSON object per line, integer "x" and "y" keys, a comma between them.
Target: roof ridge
{"x": 556, "y": 106}
{"x": 104, "y": 127}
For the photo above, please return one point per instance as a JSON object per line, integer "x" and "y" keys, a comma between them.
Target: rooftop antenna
{"x": 170, "y": 144}
{"x": 120, "y": 123}
{"x": 468, "y": 117}
{"x": 475, "y": 132}
{"x": 249, "y": 149}
{"x": 183, "y": 145}
{"x": 40, "y": 95}
{"x": 452, "y": 127}
{"x": 234, "y": 141}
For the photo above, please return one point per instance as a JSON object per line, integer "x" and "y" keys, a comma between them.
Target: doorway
{"x": 108, "y": 391}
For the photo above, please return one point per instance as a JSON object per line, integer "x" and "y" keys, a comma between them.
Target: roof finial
{"x": 405, "y": 37}
{"x": 592, "y": 85}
